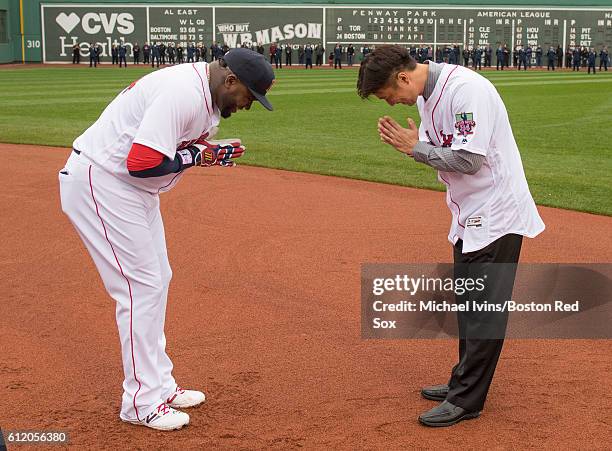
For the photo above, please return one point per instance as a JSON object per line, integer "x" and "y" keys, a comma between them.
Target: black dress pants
{"x": 478, "y": 355}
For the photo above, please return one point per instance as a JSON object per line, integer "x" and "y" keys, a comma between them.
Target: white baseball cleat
{"x": 163, "y": 418}
{"x": 182, "y": 398}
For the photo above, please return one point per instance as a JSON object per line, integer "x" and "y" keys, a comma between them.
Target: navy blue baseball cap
{"x": 253, "y": 71}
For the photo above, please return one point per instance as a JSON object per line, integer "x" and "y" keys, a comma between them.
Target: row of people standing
{"x": 306, "y": 53}
{"x": 574, "y": 57}
{"x": 154, "y": 54}
{"x": 172, "y": 53}
{"x": 157, "y": 54}
{"x": 474, "y": 56}
{"x": 522, "y": 57}
{"x": 582, "y": 57}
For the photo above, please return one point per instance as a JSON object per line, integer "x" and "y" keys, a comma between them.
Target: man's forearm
{"x": 447, "y": 160}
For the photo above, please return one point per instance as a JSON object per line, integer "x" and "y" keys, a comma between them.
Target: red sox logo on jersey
{"x": 446, "y": 140}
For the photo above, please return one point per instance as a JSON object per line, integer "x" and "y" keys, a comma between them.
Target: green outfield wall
{"x": 52, "y": 27}
{"x": 6, "y": 33}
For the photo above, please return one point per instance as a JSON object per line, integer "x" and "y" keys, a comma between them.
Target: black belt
{"x": 78, "y": 152}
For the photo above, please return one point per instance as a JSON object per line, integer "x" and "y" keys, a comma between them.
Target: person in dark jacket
{"x": 338, "y": 57}
{"x": 488, "y": 55}
{"x": 366, "y": 51}
{"x": 576, "y": 60}
{"x": 122, "y": 53}
{"x": 308, "y": 51}
{"x": 528, "y": 55}
{"x": 604, "y": 58}
{"x": 522, "y": 58}
{"x": 146, "y": 53}
{"x": 539, "y": 53}
{"x": 136, "y": 52}
{"x": 319, "y": 52}
{"x": 278, "y": 56}
{"x": 171, "y": 54}
{"x": 214, "y": 50}
{"x": 114, "y": 55}
{"x": 350, "y": 54}
{"x": 93, "y": 59}
{"x": 568, "y": 57}
{"x": 155, "y": 55}
{"x": 190, "y": 52}
{"x": 552, "y": 58}
{"x": 591, "y": 60}
{"x": 76, "y": 54}
{"x": 423, "y": 53}
{"x": 477, "y": 58}
{"x": 300, "y": 52}
{"x": 288, "y": 52}
{"x": 499, "y": 53}
{"x": 506, "y": 56}
{"x": 162, "y": 53}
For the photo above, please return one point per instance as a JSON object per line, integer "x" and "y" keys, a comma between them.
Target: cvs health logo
{"x": 93, "y": 23}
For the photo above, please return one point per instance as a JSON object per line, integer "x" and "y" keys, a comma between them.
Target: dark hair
{"x": 380, "y": 66}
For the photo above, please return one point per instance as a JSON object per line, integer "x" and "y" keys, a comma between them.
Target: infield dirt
{"x": 263, "y": 315}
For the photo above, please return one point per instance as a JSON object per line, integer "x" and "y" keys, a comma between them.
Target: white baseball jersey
{"x": 466, "y": 112}
{"x": 166, "y": 110}
{"x": 121, "y": 224}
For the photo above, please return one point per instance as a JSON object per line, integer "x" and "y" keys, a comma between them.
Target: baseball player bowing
{"x": 141, "y": 145}
{"x": 466, "y": 135}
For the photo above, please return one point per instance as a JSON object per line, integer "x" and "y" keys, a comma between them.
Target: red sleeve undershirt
{"x": 143, "y": 157}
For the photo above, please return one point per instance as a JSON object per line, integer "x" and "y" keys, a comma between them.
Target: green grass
{"x": 561, "y": 122}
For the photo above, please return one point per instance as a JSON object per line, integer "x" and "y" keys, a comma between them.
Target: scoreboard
{"x": 62, "y": 26}
{"x": 469, "y": 26}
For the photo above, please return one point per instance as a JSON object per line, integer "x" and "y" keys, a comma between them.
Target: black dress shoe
{"x": 446, "y": 414}
{"x": 435, "y": 392}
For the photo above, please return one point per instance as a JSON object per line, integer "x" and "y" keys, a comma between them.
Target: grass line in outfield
{"x": 320, "y": 125}
{"x": 291, "y": 87}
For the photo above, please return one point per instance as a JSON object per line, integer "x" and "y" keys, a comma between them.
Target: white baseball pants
{"x": 123, "y": 231}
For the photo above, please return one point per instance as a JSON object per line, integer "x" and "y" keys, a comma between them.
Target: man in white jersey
{"x": 465, "y": 134}
{"x": 141, "y": 144}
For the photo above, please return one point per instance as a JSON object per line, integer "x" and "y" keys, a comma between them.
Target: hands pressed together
{"x": 392, "y": 133}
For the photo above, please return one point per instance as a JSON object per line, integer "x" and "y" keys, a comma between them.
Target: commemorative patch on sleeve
{"x": 465, "y": 124}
